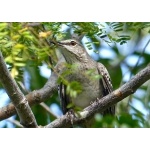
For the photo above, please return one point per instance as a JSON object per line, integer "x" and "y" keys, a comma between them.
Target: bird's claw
{"x": 71, "y": 115}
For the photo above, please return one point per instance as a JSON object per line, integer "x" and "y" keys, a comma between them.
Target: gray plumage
{"x": 74, "y": 53}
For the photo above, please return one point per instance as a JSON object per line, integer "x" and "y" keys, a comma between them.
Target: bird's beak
{"x": 53, "y": 42}
{"x": 59, "y": 43}
{"x": 56, "y": 43}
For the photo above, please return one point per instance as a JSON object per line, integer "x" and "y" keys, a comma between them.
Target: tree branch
{"x": 36, "y": 96}
{"x": 100, "y": 105}
{"x": 39, "y": 96}
{"x": 20, "y": 102}
{"x": 33, "y": 24}
{"x": 33, "y": 98}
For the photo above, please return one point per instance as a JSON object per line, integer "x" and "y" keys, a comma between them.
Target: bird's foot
{"x": 94, "y": 101}
{"x": 91, "y": 102}
{"x": 97, "y": 99}
{"x": 71, "y": 115}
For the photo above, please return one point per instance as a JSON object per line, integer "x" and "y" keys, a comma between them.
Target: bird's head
{"x": 72, "y": 50}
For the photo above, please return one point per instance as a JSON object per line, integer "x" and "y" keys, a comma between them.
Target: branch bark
{"x": 33, "y": 98}
{"x": 99, "y": 106}
{"x": 36, "y": 96}
{"x": 20, "y": 102}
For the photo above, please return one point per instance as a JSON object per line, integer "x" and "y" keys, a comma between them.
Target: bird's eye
{"x": 73, "y": 43}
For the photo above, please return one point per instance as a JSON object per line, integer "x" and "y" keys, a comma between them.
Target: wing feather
{"x": 108, "y": 88}
{"x": 64, "y": 99}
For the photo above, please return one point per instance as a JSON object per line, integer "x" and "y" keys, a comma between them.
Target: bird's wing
{"x": 106, "y": 83}
{"x": 64, "y": 98}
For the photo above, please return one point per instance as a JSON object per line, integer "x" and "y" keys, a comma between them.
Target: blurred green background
{"x": 123, "y": 47}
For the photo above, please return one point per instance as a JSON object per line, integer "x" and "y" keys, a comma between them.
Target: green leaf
{"x": 74, "y": 88}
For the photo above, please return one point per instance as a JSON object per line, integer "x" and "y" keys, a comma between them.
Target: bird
{"x": 85, "y": 73}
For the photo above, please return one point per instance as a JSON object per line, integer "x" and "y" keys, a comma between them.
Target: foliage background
{"x": 122, "y": 47}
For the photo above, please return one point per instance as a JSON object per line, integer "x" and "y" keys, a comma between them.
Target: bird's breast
{"x": 91, "y": 89}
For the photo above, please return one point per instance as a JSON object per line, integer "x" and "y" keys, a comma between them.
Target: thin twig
{"x": 48, "y": 110}
{"x": 15, "y": 122}
{"x": 135, "y": 66}
{"x": 139, "y": 57}
{"x": 33, "y": 24}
